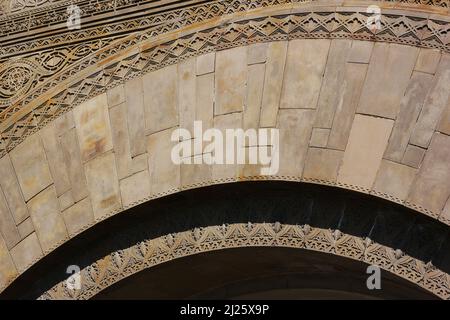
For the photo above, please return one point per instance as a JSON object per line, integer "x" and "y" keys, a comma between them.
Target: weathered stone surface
{"x": 160, "y": 99}
{"x": 434, "y": 105}
{"x": 319, "y": 137}
{"x": 295, "y": 131}
{"x": 347, "y": 102}
{"x": 103, "y": 185}
{"x": 140, "y": 163}
{"x": 361, "y": 51}
{"x": 44, "y": 211}
{"x": 444, "y": 125}
{"x": 69, "y": 143}
{"x": 231, "y": 78}
{"x": 273, "y": 80}
{"x": 410, "y": 107}
{"x": 25, "y": 228}
{"x": 7, "y": 225}
{"x": 366, "y": 145}
{"x": 432, "y": 186}
{"x": 31, "y": 166}
{"x": 11, "y": 190}
{"x": 204, "y": 110}
{"x": 26, "y": 252}
{"x": 413, "y": 156}
{"x": 93, "y": 127}
{"x": 257, "y": 53}
{"x": 64, "y": 123}
{"x": 428, "y": 60}
{"x": 387, "y": 77}
{"x": 394, "y": 179}
{"x": 187, "y": 97}
{"x": 121, "y": 141}
{"x": 164, "y": 174}
{"x": 116, "y": 95}
{"x": 305, "y": 65}
{"x": 445, "y": 215}
{"x": 135, "y": 188}
{"x": 7, "y": 268}
{"x": 136, "y": 116}
{"x": 55, "y": 157}
{"x": 333, "y": 82}
{"x": 322, "y": 164}
{"x": 255, "y": 85}
{"x": 66, "y": 200}
{"x": 78, "y": 216}
{"x": 205, "y": 63}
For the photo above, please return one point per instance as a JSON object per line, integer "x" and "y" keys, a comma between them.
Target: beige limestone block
{"x": 135, "y": 116}
{"x": 387, "y": 77}
{"x": 257, "y": 53}
{"x": 93, "y": 127}
{"x": 45, "y": 213}
{"x": 26, "y": 228}
{"x": 231, "y": 79}
{"x": 366, "y": 145}
{"x": 121, "y": 140}
{"x": 195, "y": 173}
{"x": 273, "y": 80}
{"x": 7, "y": 225}
{"x": 347, "y": 102}
{"x": 64, "y": 123}
{"x": 410, "y": 107}
{"x": 140, "y": 163}
{"x": 295, "y": 133}
{"x": 116, "y": 95}
{"x": 11, "y": 190}
{"x": 413, "y": 156}
{"x": 7, "y": 268}
{"x": 66, "y": 200}
{"x": 322, "y": 164}
{"x": 444, "y": 125}
{"x": 432, "y": 186}
{"x": 187, "y": 97}
{"x": 103, "y": 185}
{"x": 31, "y": 166}
{"x": 135, "y": 188}
{"x": 428, "y": 60}
{"x": 255, "y": 87}
{"x": 160, "y": 99}
{"x": 164, "y": 174}
{"x": 394, "y": 179}
{"x": 333, "y": 82}
{"x": 204, "y": 108}
{"x": 361, "y": 51}
{"x": 78, "y": 216}
{"x": 26, "y": 252}
{"x": 55, "y": 157}
{"x": 319, "y": 137}
{"x": 205, "y": 63}
{"x": 445, "y": 215}
{"x": 305, "y": 64}
{"x": 69, "y": 143}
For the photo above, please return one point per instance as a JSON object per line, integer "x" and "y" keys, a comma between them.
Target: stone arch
{"x": 81, "y": 147}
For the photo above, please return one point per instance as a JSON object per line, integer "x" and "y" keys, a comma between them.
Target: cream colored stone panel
{"x": 205, "y": 63}
{"x": 31, "y": 166}
{"x": 135, "y": 116}
{"x": 64, "y": 123}
{"x": 121, "y": 140}
{"x": 257, "y": 53}
{"x": 365, "y": 148}
{"x": 116, "y": 95}
{"x": 11, "y": 190}
{"x": 103, "y": 185}
{"x": 413, "y": 156}
{"x": 388, "y": 75}
{"x": 26, "y": 252}
{"x": 444, "y": 125}
{"x": 322, "y": 164}
{"x": 78, "y": 216}
{"x": 394, "y": 179}
{"x": 164, "y": 174}
{"x": 319, "y": 137}
{"x": 273, "y": 80}
{"x": 432, "y": 186}
{"x": 295, "y": 133}
{"x": 231, "y": 79}
{"x": 7, "y": 268}
{"x": 93, "y": 127}
{"x": 428, "y": 60}
{"x": 66, "y": 200}
{"x": 49, "y": 224}
{"x": 204, "y": 110}
{"x": 361, "y": 51}
{"x": 161, "y": 99}
{"x": 7, "y": 225}
{"x": 187, "y": 93}
{"x": 255, "y": 87}
{"x": 135, "y": 188}
{"x": 140, "y": 162}
{"x": 305, "y": 64}
{"x": 26, "y": 228}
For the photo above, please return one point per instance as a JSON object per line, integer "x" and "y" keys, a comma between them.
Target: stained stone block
{"x": 103, "y": 185}
{"x": 257, "y": 53}
{"x": 160, "y": 99}
{"x": 25, "y": 228}
{"x": 255, "y": 87}
{"x": 187, "y": 97}
{"x": 31, "y": 166}
{"x": 445, "y": 215}
{"x": 93, "y": 127}
{"x": 121, "y": 141}
{"x": 26, "y": 252}
{"x": 44, "y": 211}
{"x": 116, "y": 95}
{"x": 360, "y": 51}
{"x": 413, "y": 156}
{"x": 69, "y": 143}
{"x": 7, "y": 225}
{"x": 444, "y": 125}
{"x": 305, "y": 65}
{"x": 394, "y": 179}
{"x": 64, "y": 123}
{"x": 366, "y": 145}
{"x": 140, "y": 163}
{"x": 7, "y": 269}
{"x": 231, "y": 78}
{"x": 322, "y": 164}
{"x": 387, "y": 77}
{"x": 428, "y": 60}
{"x": 11, "y": 190}
{"x": 135, "y": 116}
{"x": 432, "y": 186}
{"x": 66, "y": 200}
{"x": 135, "y": 188}
{"x": 319, "y": 137}
{"x": 204, "y": 109}
{"x": 273, "y": 80}
{"x": 78, "y": 216}
{"x": 205, "y": 63}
